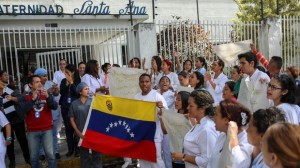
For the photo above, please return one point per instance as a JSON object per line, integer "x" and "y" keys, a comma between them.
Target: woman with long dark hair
{"x": 68, "y": 95}
{"x": 196, "y": 80}
{"x": 281, "y": 90}
{"x": 200, "y": 140}
{"x": 104, "y": 76}
{"x": 92, "y": 78}
{"x": 155, "y": 71}
{"x": 201, "y": 65}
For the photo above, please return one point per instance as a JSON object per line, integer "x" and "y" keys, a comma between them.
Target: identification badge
{"x": 69, "y": 99}
{"x": 37, "y": 114}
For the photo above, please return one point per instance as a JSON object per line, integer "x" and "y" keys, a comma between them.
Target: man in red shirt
{"x": 37, "y": 106}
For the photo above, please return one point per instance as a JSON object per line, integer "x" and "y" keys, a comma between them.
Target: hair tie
{"x": 244, "y": 118}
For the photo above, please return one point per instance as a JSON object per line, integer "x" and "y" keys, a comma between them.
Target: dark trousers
{"x": 71, "y": 139}
{"x": 88, "y": 160}
{"x": 19, "y": 130}
{"x": 178, "y": 165}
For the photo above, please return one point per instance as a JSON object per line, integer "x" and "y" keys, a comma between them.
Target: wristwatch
{"x": 9, "y": 139}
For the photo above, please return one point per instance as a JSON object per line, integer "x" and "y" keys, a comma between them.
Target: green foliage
{"x": 250, "y": 10}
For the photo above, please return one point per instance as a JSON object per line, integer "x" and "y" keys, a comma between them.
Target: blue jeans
{"x": 55, "y": 139}
{"x": 46, "y": 138}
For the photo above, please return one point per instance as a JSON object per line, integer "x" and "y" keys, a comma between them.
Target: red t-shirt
{"x": 44, "y": 120}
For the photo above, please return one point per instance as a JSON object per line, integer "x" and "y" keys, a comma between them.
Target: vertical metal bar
{"x": 169, "y": 48}
{"x": 159, "y": 32}
{"x": 25, "y": 41}
{"x": 112, "y": 44}
{"x": 75, "y": 37}
{"x": 85, "y": 48}
{"x": 198, "y": 12}
{"x": 41, "y": 38}
{"x": 71, "y": 39}
{"x": 103, "y": 44}
{"x": 189, "y": 39}
{"x": 50, "y": 34}
{"x": 46, "y": 39}
{"x": 55, "y": 33}
{"x": 164, "y": 36}
{"x": 117, "y": 44}
{"x": 108, "y": 52}
{"x": 125, "y": 43}
{"x": 99, "y": 46}
{"x": 66, "y": 39}
{"x": 95, "y": 44}
{"x": 35, "y": 39}
{"x": 10, "y": 53}
{"x": 52, "y": 65}
{"x": 20, "y": 42}
{"x": 17, "y": 60}
{"x": 30, "y": 41}
{"x": 90, "y": 45}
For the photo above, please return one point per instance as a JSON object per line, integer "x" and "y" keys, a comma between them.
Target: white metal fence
{"x": 291, "y": 41}
{"x": 49, "y": 60}
{"x": 105, "y": 44}
{"x": 191, "y": 39}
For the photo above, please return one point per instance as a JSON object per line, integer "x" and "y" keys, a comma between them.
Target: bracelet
{"x": 183, "y": 157}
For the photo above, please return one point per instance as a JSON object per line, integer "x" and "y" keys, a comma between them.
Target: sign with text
{"x": 87, "y": 7}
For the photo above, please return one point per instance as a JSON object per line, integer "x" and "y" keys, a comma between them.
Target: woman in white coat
{"x": 232, "y": 148}
{"x": 282, "y": 90}
{"x": 200, "y": 140}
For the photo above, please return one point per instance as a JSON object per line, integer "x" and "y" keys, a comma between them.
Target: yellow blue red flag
{"x": 121, "y": 127}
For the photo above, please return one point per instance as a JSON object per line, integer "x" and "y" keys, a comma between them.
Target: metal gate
{"x": 105, "y": 44}
{"x": 49, "y": 60}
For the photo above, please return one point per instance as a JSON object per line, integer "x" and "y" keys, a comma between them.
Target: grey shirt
{"x": 80, "y": 111}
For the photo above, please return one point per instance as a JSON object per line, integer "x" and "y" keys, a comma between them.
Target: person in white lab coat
{"x": 215, "y": 82}
{"x": 200, "y": 140}
{"x": 232, "y": 148}
{"x": 282, "y": 90}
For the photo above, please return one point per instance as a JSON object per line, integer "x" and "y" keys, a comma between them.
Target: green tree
{"x": 250, "y": 10}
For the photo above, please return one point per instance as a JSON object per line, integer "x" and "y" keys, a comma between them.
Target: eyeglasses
{"x": 273, "y": 87}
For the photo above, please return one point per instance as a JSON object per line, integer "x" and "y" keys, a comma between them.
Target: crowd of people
{"x": 249, "y": 118}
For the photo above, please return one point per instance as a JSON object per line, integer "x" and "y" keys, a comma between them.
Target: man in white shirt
{"x": 215, "y": 83}
{"x": 57, "y": 78}
{"x": 60, "y": 74}
{"x": 147, "y": 94}
{"x": 253, "y": 89}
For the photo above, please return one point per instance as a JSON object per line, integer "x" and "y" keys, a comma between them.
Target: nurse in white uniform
{"x": 232, "y": 148}
{"x": 200, "y": 140}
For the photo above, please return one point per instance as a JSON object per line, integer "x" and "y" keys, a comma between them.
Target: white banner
{"x": 124, "y": 82}
{"x": 229, "y": 52}
{"x": 177, "y": 126}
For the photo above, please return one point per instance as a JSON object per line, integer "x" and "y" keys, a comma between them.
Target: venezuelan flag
{"x": 121, "y": 127}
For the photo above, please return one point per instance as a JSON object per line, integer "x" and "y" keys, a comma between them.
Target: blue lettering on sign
{"x": 136, "y": 10}
{"x": 88, "y": 8}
